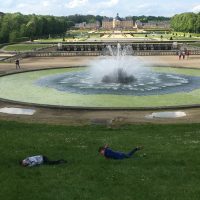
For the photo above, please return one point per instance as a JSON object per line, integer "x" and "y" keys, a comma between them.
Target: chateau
{"x": 117, "y": 23}
{"x": 153, "y": 25}
{"x": 127, "y": 23}
{"x": 85, "y": 25}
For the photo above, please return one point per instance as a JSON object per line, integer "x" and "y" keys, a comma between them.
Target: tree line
{"x": 14, "y": 27}
{"x": 145, "y": 19}
{"x": 85, "y": 18}
{"x": 186, "y": 22}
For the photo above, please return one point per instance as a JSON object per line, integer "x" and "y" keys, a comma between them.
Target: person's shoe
{"x": 140, "y": 148}
{"x": 143, "y": 155}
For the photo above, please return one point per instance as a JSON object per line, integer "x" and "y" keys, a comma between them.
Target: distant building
{"x": 153, "y": 25}
{"x": 139, "y": 24}
{"x": 118, "y": 23}
{"x": 80, "y": 25}
{"x": 85, "y": 25}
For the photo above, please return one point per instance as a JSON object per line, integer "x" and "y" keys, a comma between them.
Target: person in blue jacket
{"x": 110, "y": 154}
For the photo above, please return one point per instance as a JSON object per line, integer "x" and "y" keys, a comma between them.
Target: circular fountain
{"x": 115, "y": 80}
{"x": 119, "y": 73}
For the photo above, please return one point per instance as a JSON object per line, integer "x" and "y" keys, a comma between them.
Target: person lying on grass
{"x": 39, "y": 160}
{"x": 109, "y": 153}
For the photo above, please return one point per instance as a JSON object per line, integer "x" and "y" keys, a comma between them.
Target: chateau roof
{"x": 107, "y": 19}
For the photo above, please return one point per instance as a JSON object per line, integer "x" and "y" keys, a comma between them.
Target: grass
{"x": 156, "y": 35}
{"x": 50, "y": 40}
{"x": 24, "y": 47}
{"x": 167, "y": 36}
{"x": 61, "y": 39}
{"x": 169, "y": 171}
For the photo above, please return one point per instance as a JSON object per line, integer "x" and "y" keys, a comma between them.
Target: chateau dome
{"x": 118, "y": 18}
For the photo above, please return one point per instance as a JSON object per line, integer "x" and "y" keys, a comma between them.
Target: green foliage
{"x": 85, "y": 18}
{"x": 15, "y": 26}
{"x": 186, "y": 22}
{"x": 170, "y": 169}
{"x": 146, "y": 19}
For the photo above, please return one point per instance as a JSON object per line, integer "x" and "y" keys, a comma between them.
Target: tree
{"x": 31, "y": 27}
{"x": 13, "y": 36}
{"x": 197, "y": 24}
{"x": 186, "y": 22}
{"x": 15, "y": 26}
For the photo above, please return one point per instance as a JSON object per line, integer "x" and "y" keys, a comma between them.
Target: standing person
{"x": 39, "y": 160}
{"x": 183, "y": 55}
{"x": 179, "y": 55}
{"x": 17, "y": 64}
{"x": 110, "y": 154}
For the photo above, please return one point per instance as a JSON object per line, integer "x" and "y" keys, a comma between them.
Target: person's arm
{"x": 106, "y": 146}
{"x": 32, "y": 163}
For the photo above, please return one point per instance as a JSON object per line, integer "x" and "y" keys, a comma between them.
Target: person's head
{"x": 23, "y": 163}
{"x": 101, "y": 150}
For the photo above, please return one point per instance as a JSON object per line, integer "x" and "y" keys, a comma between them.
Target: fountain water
{"x": 117, "y": 66}
{"x": 120, "y": 73}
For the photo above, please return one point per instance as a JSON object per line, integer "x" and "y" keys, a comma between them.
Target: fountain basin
{"x": 23, "y": 87}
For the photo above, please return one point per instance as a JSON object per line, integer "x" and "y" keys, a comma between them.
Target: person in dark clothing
{"x": 179, "y": 55}
{"x": 39, "y": 160}
{"x": 17, "y": 64}
{"x": 110, "y": 154}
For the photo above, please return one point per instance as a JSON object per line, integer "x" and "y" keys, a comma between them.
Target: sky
{"x": 101, "y": 7}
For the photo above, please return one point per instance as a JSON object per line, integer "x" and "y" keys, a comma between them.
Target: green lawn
{"x": 169, "y": 171}
{"x": 156, "y": 35}
{"x": 50, "y": 40}
{"x": 24, "y": 47}
{"x": 168, "y": 36}
{"x": 60, "y": 39}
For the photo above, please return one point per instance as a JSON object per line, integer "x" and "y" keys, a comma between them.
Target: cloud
{"x": 91, "y": 5}
{"x": 100, "y": 7}
{"x": 76, "y": 3}
{"x": 95, "y": 7}
{"x": 196, "y": 9}
{"x": 107, "y": 4}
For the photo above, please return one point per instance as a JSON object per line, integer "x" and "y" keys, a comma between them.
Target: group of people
{"x": 104, "y": 151}
{"x": 183, "y": 54}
